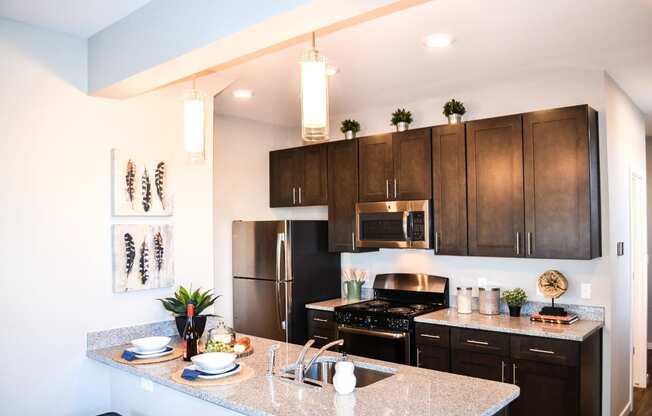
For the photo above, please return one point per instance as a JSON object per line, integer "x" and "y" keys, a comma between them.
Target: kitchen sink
{"x": 321, "y": 372}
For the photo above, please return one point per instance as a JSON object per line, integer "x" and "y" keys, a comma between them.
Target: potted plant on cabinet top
{"x": 350, "y": 128}
{"x": 179, "y": 304}
{"x": 515, "y": 299}
{"x": 401, "y": 118}
{"x": 454, "y": 110}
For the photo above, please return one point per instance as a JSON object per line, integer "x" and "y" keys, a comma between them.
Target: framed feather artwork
{"x": 143, "y": 257}
{"x": 141, "y": 184}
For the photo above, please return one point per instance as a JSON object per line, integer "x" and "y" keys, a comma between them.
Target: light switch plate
{"x": 146, "y": 385}
{"x": 586, "y": 290}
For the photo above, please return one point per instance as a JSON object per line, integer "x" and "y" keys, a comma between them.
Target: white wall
{"x": 55, "y": 222}
{"x": 648, "y": 162}
{"x": 241, "y": 188}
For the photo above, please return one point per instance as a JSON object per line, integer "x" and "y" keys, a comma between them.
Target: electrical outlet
{"x": 586, "y": 290}
{"x": 146, "y": 385}
{"x": 482, "y": 282}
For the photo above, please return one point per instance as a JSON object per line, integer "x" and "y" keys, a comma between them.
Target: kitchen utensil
{"x": 353, "y": 289}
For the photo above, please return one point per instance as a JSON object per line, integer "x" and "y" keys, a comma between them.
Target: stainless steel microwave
{"x": 393, "y": 224}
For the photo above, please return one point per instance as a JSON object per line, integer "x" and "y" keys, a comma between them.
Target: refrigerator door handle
{"x": 280, "y": 238}
{"x": 279, "y": 313}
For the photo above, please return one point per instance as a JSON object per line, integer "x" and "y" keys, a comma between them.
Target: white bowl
{"x": 212, "y": 362}
{"x": 150, "y": 344}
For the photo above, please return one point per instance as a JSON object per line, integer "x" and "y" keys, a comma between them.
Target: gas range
{"x": 383, "y": 328}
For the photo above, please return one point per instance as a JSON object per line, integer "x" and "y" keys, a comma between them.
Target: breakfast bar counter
{"x": 409, "y": 390}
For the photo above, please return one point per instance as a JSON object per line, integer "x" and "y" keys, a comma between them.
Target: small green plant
{"x": 454, "y": 107}
{"x": 401, "y": 116}
{"x": 182, "y": 297}
{"x": 515, "y": 297}
{"x": 350, "y": 125}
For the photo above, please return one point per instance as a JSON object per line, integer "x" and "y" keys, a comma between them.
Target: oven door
{"x": 378, "y": 344}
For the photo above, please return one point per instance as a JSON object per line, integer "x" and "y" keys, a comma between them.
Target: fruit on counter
{"x": 241, "y": 345}
{"x": 216, "y": 346}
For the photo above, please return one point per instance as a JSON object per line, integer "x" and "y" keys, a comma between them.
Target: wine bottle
{"x": 190, "y": 338}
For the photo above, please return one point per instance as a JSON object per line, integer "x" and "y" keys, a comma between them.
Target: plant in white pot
{"x": 350, "y": 128}
{"x": 401, "y": 118}
{"x": 454, "y": 110}
{"x": 515, "y": 299}
{"x": 179, "y": 304}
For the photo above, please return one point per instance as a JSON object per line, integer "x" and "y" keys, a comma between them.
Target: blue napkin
{"x": 189, "y": 374}
{"x": 129, "y": 355}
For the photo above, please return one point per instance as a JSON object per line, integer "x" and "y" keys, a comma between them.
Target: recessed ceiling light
{"x": 243, "y": 94}
{"x": 438, "y": 40}
{"x": 332, "y": 70}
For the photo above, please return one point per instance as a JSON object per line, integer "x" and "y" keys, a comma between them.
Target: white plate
{"x": 217, "y": 372}
{"x": 235, "y": 370}
{"x": 166, "y": 351}
{"x": 144, "y": 354}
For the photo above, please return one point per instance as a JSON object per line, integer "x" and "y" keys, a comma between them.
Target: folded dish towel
{"x": 129, "y": 355}
{"x": 189, "y": 374}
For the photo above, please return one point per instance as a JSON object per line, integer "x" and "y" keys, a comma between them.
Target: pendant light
{"x": 314, "y": 95}
{"x": 193, "y": 123}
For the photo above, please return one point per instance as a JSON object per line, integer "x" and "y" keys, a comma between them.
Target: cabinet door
{"x": 412, "y": 159}
{"x": 375, "y": 167}
{"x": 343, "y": 194}
{"x": 311, "y": 176}
{"x": 546, "y": 389}
{"x": 480, "y": 365}
{"x": 321, "y": 327}
{"x": 495, "y": 187}
{"x": 558, "y": 191}
{"x": 449, "y": 189}
{"x": 282, "y": 186}
{"x": 433, "y": 358}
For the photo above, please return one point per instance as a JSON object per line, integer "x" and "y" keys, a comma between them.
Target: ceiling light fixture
{"x": 314, "y": 95}
{"x": 243, "y": 94}
{"x": 438, "y": 40}
{"x": 193, "y": 123}
{"x": 332, "y": 70}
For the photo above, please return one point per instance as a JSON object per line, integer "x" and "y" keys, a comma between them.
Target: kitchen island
{"x": 409, "y": 390}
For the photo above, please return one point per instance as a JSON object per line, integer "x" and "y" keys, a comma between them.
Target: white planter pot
{"x": 454, "y": 119}
{"x": 349, "y": 134}
{"x": 402, "y": 126}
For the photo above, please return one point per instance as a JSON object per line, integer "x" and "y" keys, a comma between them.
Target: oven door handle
{"x": 372, "y": 332}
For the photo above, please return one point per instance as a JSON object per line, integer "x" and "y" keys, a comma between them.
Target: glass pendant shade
{"x": 314, "y": 97}
{"x": 193, "y": 124}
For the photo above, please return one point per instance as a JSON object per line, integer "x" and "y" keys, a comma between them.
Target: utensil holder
{"x": 353, "y": 290}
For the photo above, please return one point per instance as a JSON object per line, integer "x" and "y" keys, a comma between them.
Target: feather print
{"x": 130, "y": 178}
{"x": 159, "y": 177}
{"x": 146, "y": 188}
{"x": 143, "y": 264}
{"x": 159, "y": 251}
{"x": 130, "y": 253}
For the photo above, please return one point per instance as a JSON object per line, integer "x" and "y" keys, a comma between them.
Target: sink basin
{"x": 323, "y": 371}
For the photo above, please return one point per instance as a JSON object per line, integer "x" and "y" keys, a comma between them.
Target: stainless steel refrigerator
{"x": 279, "y": 267}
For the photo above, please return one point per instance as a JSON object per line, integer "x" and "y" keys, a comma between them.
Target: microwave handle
{"x": 406, "y": 217}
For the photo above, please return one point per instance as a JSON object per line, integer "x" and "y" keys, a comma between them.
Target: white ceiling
{"x": 82, "y": 18}
{"x": 384, "y": 62}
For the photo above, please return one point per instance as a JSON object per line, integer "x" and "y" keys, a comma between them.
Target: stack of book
{"x": 567, "y": 320}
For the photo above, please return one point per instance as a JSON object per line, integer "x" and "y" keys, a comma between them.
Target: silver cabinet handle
{"x": 518, "y": 243}
{"x": 472, "y": 341}
{"x": 542, "y": 351}
{"x": 353, "y": 240}
{"x": 436, "y": 242}
{"x": 418, "y": 357}
{"x": 299, "y": 195}
{"x": 502, "y": 371}
{"x": 529, "y": 243}
{"x": 320, "y": 320}
{"x": 430, "y": 336}
{"x": 294, "y": 196}
{"x": 395, "y": 193}
{"x": 387, "y": 188}
{"x": 320, "y": 337}
{"x": 514, "y": 368}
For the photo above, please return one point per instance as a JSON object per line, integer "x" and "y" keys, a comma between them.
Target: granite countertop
{"x": 578, "y": 331}
{"x": 331, "y": 304}
{"x": 409, "y": 391}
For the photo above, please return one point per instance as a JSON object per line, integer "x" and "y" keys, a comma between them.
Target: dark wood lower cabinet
{"x": 546, "y": 389}
{"x": 434, "y": 358}
{"x": 321, "y": 327}
{"x": 480, "y": 365}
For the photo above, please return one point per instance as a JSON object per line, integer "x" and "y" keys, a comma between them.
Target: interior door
{"x": 449, "y": 189}
{"x": 281, "y": 178}
{"x": 495, "y": 187}
{"x": 375, "y": 168}
{"x": 557, "y": 197}
{"x": 412, "y": 159}
{"x": 312, "y": 175}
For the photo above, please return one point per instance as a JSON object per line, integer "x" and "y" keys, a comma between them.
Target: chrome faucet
{"x": 300, "y": 368}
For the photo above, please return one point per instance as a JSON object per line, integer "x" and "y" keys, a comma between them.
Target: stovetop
{"x": 390, "y": 308}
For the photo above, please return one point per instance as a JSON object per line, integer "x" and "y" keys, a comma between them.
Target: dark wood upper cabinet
{"x": 375, "y": 167}
{"x": 343, "y": 192}
{"x": 449, "y": 189}
{"x": 495, "y": 187}
{"x": 412, "y": 165}
{"x": 562, "y": 209}
{"x": 298, "y": 177}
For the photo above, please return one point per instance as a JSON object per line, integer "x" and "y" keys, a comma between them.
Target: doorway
{"x": 638, "y": 268}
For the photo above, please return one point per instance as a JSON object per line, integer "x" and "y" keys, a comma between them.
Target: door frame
{"x": 638, "y": 262}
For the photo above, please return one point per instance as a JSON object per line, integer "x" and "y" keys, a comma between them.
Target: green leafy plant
{"x": 351, "y": 125}
{"x": 401, "y": 116}
{"x": 515, "y": 297}
{"x": 454, "y": 107}
{"x": 182, "y": 297}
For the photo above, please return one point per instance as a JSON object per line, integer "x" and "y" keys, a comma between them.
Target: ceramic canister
{"x": 489, "y": 300}
{"x": 464, "y": 299}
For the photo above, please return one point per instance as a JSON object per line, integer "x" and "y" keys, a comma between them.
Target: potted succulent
{"x": 454, "y": 110}
{"x": 515, "y": 299}
{"x": 401, "y": 118}
{"x": 179, "y": 303}
{"x": 350, "y": 128}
